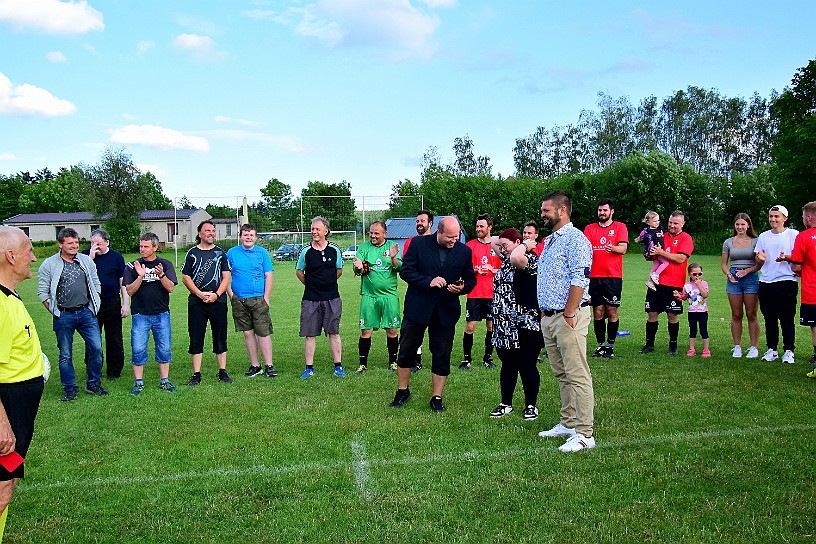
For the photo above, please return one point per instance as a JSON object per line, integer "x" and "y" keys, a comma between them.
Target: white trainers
{"x": 788, "y": 357}
{"x": 736, "y": 352}
{"x": 558, "y": 430}
{"x": 753, "y": 353}
{"x": 501, "y": 410}
{"x": 770, "y": 355}
{"x": 577, "y": 442}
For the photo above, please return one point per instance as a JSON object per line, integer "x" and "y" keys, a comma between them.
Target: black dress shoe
{"x": 436, "y": 404}
{"x": 402, "y": 396}
{"x": 647, "y": 349}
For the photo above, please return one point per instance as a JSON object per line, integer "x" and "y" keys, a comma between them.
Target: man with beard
{"x": 563, "y": 279}
{"x": 678, "y": 248}
{"x": 609, "y": 240}
{"x": 480, "y": 300}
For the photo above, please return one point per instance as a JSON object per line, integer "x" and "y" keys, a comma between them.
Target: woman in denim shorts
{"x": 742, "y": 283}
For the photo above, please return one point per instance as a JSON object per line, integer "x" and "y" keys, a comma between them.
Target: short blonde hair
{"x": 649, "y": 216}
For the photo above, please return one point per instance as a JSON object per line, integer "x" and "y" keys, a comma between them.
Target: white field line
{"x": 361, "y": 472}
{"x": 361, "y": 464}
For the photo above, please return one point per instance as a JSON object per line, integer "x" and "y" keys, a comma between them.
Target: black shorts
{"x": 21, "y": 401}
{"x": 477, "y": 309}
{"x": 199, "y": 314}
{"x": 662, "y": 300}
{"x": 807, "y": 315}
{"x": 605, "y": 291}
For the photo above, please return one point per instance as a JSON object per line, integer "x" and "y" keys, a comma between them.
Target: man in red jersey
{"x": 678, "y": 248}
{"x": 531, "y": 231}
{"x": 480, "y": 300}
{"x": 609, "y": 240}
{"x": 803, "y": 262}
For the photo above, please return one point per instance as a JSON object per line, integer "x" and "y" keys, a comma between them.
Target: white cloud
{"x": 439, "y": 3}
{"x": 56, "y": 56}
{"x": 52, "y": 16}
{"x": 7, "y": 157}
{"x": 152, "y": 168}
{"x": 26, "y": 99}
{"x": 129, "y": 116}
{"x": 363, "y": 23}
{"x": 144, "y": 46}
{"x": 235, "y": 120}
{"x": 202, "y": 47}
{"x": 286, "y": 143}
{"x": 160, "y": 137}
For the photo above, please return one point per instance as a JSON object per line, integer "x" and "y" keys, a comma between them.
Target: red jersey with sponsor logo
{"x": 804, "y": 253}
{"x": 483, "y": 258}
{"x": 604, "y": 263}
{"x": 675, "y": 274}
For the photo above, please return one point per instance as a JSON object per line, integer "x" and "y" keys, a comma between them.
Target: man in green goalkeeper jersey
{"x": 377, "y": 264}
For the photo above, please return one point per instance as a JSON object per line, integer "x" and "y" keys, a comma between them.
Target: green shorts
{"x": 379, "y": 312}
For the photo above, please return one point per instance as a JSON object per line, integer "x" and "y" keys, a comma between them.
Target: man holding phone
{"x": 21, "y": 364}
{"x": 438, "y": 270}
{"x": 110, "y": 267}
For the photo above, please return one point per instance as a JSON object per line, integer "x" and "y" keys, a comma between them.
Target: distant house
{"x": 171, "y": 226}
{"x": 401, "y": 228}
{"x": 226, "y": 228}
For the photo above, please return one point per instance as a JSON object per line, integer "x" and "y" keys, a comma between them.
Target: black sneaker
{"x": 488, "y": 362}
{"x": 253, "y": 371}
{"x": 69, "y": 394}
{"x": 673, "y": 351}
{"x": 464, "y": 365}
{"x": 223, "y": 376}
{"x": 530, "y": 413}
{"x": 609, "y": 352}
{"x": 402, "y": 396}
{"x": 94, "y": 388}
{"x": 647, "y": 349}
{"x": 599, "y": 351}
{"x": 436, "y": 404}
{"x": 195, "y": 380}
{"x": 113, "y": 377}
{"x": 270, "y": 371}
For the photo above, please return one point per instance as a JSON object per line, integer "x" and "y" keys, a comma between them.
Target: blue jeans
{"x": 84, "y": 322}
{"x": 140, "y": 328}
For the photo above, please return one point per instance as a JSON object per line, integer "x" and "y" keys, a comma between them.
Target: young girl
{"x": 696, "y": 292}
{"x": 652, "y": 236}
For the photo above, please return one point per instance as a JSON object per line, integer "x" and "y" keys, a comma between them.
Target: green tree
{"x": 331, "y": 200}
{"x": 11, "y": 188}
{"x": 153, "y": 189}
{"x": 60, "y": 193}
{"x": 794, "y": 147}
{"x": 405, "y": 201}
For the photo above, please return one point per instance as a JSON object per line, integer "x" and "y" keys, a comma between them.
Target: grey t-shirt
{"x": 72, "y": 289}
{"x": 741, "y": 257}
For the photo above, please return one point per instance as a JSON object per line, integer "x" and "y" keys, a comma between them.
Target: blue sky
{"x": 215, "y": 98}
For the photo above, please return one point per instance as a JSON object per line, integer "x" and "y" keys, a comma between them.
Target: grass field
{"x": 689, "y": 450}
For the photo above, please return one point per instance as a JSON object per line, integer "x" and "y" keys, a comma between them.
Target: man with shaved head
{"x": 21, "y": 361}
{"x": 438, "y": 270}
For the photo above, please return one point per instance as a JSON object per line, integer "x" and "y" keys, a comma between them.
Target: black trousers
{"x": 777, "y": 302}
{"x": 440, "y": 342}
{"x": 521, "y": 362}
{"x": 110, "y": 322}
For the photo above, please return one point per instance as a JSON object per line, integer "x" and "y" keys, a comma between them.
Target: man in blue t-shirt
{"x": 249, "y": 291}
{"x": 318, "y": 267}
{"x": 115, "y": 302}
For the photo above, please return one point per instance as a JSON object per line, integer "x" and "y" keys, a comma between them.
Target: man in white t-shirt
{"x": 778, "y": 286}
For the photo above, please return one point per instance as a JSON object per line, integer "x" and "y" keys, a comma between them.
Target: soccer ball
{"x": 46, "y": 367}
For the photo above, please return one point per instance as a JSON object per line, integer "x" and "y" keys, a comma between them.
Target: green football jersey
{"x": 382, "y": 280}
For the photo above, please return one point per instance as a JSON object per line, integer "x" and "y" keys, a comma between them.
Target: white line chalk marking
{"x": 361, "y": 464}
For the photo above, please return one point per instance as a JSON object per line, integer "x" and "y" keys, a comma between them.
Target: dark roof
{"x": 402, "y": 228}
{"x": 87, "y": 217}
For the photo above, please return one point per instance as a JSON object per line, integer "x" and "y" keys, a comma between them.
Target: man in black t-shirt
{"x": 149, "y": 282}
{"x": 206, "y": 274}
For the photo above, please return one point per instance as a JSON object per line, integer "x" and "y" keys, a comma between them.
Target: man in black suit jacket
{"x": 438, "y": 270}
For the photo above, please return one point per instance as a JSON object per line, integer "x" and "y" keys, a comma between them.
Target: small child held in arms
{"x": 651, "y": 236}
{"x": 696, "y": 292}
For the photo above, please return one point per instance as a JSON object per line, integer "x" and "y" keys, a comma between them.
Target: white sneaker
{"x": 577, "y": 442}
{"x": 558, "y": 430}
{"x": 770, "y": 355}
{"x": 753, "y": 353}
{"x": 736, "y": 352}
{"x": 788, "y": 357}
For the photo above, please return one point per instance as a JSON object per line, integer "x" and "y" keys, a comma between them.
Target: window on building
{"x": 25, "y": 230}
{"x": 57, "y": 229}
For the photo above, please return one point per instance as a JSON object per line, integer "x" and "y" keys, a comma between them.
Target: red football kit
{"x": 604, "y": 263}
{"x": 483, "y": 256}
{"x": 675, "y": 274}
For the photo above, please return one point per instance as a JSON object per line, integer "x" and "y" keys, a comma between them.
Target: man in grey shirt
{"x": 69, "y": 288}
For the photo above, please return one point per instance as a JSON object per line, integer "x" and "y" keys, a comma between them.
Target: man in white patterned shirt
{"x": 563, "y": 283}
